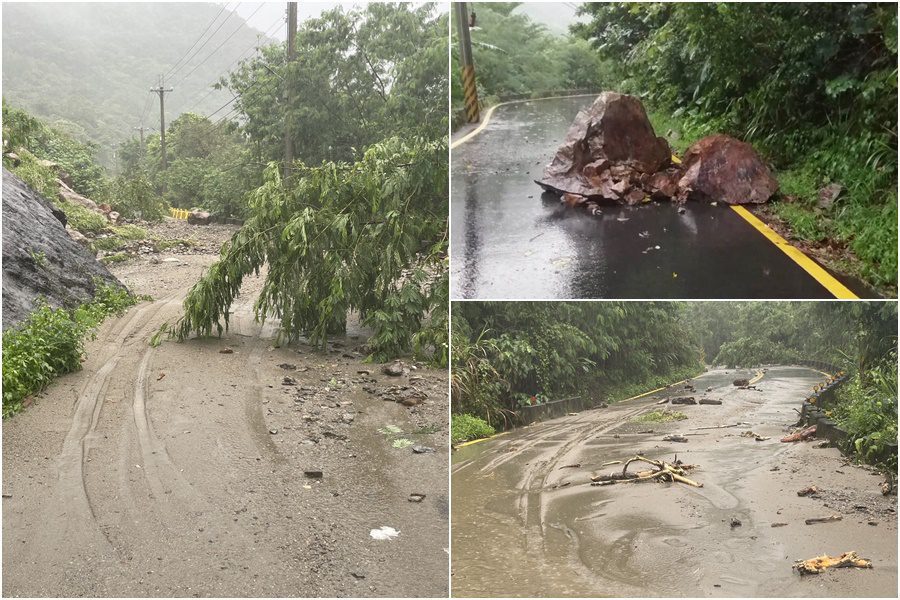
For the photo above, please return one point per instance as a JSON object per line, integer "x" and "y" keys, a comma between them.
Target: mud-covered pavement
{"x": 526, "y": 523}
{"x": 189, "y": 470}
{"x": 510, "y": 241}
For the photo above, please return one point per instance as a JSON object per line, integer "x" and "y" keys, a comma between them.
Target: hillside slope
{"x": 87, "y": 67}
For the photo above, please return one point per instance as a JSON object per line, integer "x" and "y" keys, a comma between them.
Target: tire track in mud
{"x": 76, "y": 526}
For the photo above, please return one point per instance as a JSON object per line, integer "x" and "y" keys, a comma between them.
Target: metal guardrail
{"x": 179, "y": 213}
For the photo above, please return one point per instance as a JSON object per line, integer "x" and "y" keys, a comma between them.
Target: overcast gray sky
{"x": 262, "y": 15}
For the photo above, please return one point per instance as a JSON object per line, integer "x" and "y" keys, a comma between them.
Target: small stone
{"x": 416, "y": 497}
{"x": 226, "y": 351}
{"x": 421, "y": 449}
{"x": 313, "y": 473}
{"x": 735, "y": 522}
{"x": 288, "y": 367}
{"x": 347, "y": 418}
{"x": 394, "y": 370}
{"x": 273, "y": 431}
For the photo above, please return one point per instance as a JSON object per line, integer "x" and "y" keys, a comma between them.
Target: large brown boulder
{"x": 198, "y": 217}
{"x": 607, "y": 150}
{"x": 720, "y": 168}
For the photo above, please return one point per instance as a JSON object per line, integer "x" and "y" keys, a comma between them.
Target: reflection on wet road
{"x": 527, "y": 522}
{"x": 509, "y": 241}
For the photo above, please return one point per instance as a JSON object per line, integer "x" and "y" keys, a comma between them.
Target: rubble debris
{"x": 226, "y": 351}
{"x": 808, "y": 491}
{"x": 198, "y": 217}
{"x": 313, "y": 473}
{"x": 755, "y": 436}
{"x": 416, "y": 497}
{"x": 393, "y": 370}
{"x": 735, "y": 522}
{"x": 778, "y": 525}
{"x": 675, "y": 437}
{"x": 663, "y": 471}
{"x": 683, "y": 400}
{"x": 819, "y": 564}
{"x": 828, "y": 519}
{"x": 741, "y": 382}
{"x": 720, "y": 168}
{"x": 287, "y": 367}
{"x": 422, "y": 449}
{"x": 800, "y": 436}
{"x": 710, "y": 401}
{"x": 573, "y": 466}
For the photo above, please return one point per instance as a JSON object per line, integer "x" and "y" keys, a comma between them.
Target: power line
{"x": 211, "y": 36}
{"x": 211, "y": 54}
{"x": 175, "y": 66}
{"x": 241, "y": 56}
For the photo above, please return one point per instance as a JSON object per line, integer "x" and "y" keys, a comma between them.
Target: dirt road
{"x": 181, "y": 470}
{"x": 526, "y": 522}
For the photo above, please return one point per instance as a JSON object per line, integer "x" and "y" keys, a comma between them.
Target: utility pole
{"x": 161, "y": 90}
{"x": 142, "y": 128}
{"x": 468, "y": 65}
{"x": 291, "y": 54}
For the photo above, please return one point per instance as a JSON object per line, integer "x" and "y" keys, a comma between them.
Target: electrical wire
{"x": 178, "y": 62}
{"x": 211, "y": 54}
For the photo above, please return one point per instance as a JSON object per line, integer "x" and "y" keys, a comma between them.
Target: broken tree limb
{"x": 662, "y": 471}
{"x": 827, "y": 519}
{"x": 821, "y": 563}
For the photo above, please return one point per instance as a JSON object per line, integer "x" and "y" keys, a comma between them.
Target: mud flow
{"x": 528, "y": 522}
{"x": 229, "y": 466}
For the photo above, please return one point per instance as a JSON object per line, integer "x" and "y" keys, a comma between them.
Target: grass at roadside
{"x": 467, "y": 427}
{"x": 51, "y": 342}
{"x": 856, "y": 233}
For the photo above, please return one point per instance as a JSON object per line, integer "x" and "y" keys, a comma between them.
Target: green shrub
{"x": 867, "y": 410}
{"x": 82, "y": 219}
{"x": 39, "y": 178}
{"x": 467, "y": 427}
{"x": 51, "y": 343}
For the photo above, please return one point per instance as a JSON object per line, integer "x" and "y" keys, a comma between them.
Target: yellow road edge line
{"x": 490, "y": 112}
{"x": 479, "y": 440}
{"x": 665, "y": 387}
{"x": 759, "y": 375}
{"x": 825, "y": 279}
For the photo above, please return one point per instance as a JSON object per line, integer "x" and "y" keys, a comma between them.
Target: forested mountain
{"x": 87, "y": 68}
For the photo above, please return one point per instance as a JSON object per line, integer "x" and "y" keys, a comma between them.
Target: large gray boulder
{"x": 39, "y": 256}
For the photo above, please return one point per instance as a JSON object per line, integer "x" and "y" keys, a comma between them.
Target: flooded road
{"x": 510, "y": 241}
{"x": 528, "y": 523}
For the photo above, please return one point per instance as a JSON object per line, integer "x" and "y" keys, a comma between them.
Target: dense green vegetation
{"x": 51, "y": 342}
{"x": 812, "y": 86}
{"x": 514, "y": 55}
{"x": 361, "y": 223}
{"x": 603, "y": 351}
{"x": 86, "y": 68}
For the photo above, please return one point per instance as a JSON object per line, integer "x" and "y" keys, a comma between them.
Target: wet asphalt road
{"x": 511, "y": 241}
{"x": 527, "y": 522}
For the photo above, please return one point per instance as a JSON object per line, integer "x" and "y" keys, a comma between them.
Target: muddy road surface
{"x": 527, "y": 522}
{"x": 224, "y": 467}
{"x": 510, "y": 241}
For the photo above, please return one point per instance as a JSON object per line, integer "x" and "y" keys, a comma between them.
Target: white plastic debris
{"x": 384, "y": 533}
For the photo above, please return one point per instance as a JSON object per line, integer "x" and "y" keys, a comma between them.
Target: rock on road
{"x": 525, "y": 526}
{"x": 179, "y": 470}
{"x": 510, "y": 241}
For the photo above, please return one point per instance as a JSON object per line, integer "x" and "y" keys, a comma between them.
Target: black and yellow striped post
{"x": 470, "y": 93}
